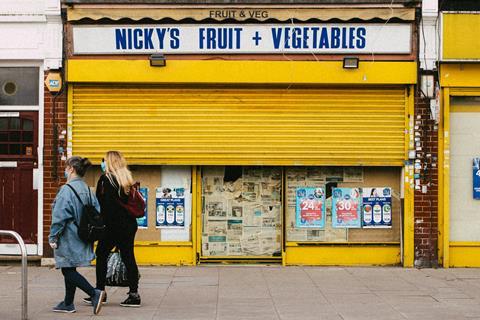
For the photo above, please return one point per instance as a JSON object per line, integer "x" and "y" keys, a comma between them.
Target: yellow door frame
{"x": 456, "y": 80}
{"x": 408, "y": 209}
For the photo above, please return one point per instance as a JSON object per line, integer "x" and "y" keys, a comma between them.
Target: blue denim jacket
{"x": 71, "y": 250}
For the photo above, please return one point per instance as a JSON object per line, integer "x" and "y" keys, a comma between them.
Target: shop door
{"x": 18, "y": 160}
{"x": 464, "y": 150}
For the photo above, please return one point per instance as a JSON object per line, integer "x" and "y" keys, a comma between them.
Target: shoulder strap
{"x": 112, "y": 182}
{"x": 79, "y": 199}
{"x": 73, "y": 189}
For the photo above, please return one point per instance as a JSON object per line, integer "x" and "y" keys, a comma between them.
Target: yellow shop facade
{"x": 259, "y": 134}
{"x": 459, "y": 140}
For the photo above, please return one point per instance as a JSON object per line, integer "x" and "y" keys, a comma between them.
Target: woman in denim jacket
{"x": 70, "y": 251}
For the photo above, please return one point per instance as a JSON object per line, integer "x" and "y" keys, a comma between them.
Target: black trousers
{"x": 73, "y": 279}
{"x": 125, "y": 244}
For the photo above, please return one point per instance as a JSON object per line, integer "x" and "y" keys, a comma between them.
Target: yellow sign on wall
{"x": 53, "y": 81}
{"x": 460, "y": 39}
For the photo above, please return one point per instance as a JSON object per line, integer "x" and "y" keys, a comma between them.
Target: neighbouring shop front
{"x": 254, "y": 142}
{"x": 30, "y": 48}
{"x": 459, "y": 145}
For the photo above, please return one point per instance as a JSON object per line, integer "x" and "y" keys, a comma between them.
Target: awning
{"x": 277, "y": 14}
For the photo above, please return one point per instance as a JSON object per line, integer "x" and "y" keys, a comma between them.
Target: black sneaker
{"x": 88, "y": 300}
{"x": 62, "y": 307}
{"x": 133, "y": 300}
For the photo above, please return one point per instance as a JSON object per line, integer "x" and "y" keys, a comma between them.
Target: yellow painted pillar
{"x": 445, "y": 197}
{"x": 198, "y": 214}
{"x": 194, "y": 214}
{"x": 408, "y": 217}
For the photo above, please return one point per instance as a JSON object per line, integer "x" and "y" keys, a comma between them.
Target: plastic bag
{"x": 116, "y": 271}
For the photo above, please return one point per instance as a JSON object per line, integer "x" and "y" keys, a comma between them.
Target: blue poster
{"x": 377, "y": 208}
{"x": 476, "y": 178}
{"x": 346, "y": 204}
{"x": 310, "y": 208}
{"x": 170, "y": 204}
{"x": 143, "y": 221}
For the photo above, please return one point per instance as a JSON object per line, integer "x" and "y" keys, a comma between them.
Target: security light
{"x": 350, "y": 62}
{"x": 158, "y": 60}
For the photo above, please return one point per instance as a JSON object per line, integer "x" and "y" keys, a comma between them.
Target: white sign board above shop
{"x": 338, "y": 38}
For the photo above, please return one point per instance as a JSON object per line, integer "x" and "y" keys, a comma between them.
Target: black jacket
{"x": 117, "y": 219}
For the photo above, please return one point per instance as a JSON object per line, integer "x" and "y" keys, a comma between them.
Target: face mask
{"x": 65, "y": 174}
{"x": 103, "y": 166}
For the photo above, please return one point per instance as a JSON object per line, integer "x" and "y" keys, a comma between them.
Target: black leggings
{"x": 125, "y": 244}
{"x": 73, "y": 279}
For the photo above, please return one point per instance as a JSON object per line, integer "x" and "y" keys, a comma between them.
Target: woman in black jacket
{"x": 112, "y": 188}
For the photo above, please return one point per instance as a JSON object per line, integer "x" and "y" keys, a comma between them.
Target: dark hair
{"x": 79, "y": 164}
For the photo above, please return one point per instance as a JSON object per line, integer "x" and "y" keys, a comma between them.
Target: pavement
{"x": 261, "y": 292}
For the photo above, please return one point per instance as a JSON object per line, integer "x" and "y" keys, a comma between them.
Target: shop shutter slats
{"x": 157, "y": 125}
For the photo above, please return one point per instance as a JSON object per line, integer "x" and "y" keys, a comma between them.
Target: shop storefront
{"x": 254, "y": 142}
{"x": 30, "y": 47}
{"x": 459, "y": 145}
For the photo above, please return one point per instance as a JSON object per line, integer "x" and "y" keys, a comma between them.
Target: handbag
{"x": 116, "y": 270}
{"x": 135, "y": 204}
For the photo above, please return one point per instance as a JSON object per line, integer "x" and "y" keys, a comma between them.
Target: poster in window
{"x": 346, "y": 208}
{"x": 143, "y": 221}
{"x": 476, "y": 178}
{"x": 377, "y": 207}
{"x": 170, "y": 204}
{"x": 310, "y": 207}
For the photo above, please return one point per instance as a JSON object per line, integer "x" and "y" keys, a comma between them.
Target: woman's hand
{"x": 53, "y": 245}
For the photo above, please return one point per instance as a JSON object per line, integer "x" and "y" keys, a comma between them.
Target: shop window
{"x": 19, "y": 86}
{"x": 154, "y": 180}
{"x": 333, "y": 204}
{"x": 242, "y": 209}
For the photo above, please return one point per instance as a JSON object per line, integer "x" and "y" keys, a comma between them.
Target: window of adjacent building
{"x": 19, "y": 86}
{"x": 16, "y": 136}
{"x": 465, "y": 101}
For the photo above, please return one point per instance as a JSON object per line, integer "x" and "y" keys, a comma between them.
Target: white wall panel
{"x": 464, "y": 146}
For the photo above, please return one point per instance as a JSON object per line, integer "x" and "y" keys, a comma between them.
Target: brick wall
{"x": 50, "y": 184}
{"x": 426, "y": 196}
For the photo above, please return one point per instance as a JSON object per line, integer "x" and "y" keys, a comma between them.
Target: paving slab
{"x": 217, "y": 292}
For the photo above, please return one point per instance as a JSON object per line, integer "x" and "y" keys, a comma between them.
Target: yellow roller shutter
{"x": 261, "y": 126}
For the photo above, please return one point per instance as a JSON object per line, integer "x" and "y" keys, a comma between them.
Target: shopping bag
{"x": 116, "y": 271}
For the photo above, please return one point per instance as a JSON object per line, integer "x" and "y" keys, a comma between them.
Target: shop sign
{"x": 476, "y": 178}
{"x": 143, "y": 221}
{"x": 310, "y": 208}
{"x": 346, "y": 203}
{"x": 338, "y": 38}
{"x": 377, "y": 207}
{"x": 170, "y": 203}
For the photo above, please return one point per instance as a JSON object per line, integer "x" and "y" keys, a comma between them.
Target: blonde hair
{"x": 116, "y": 165}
